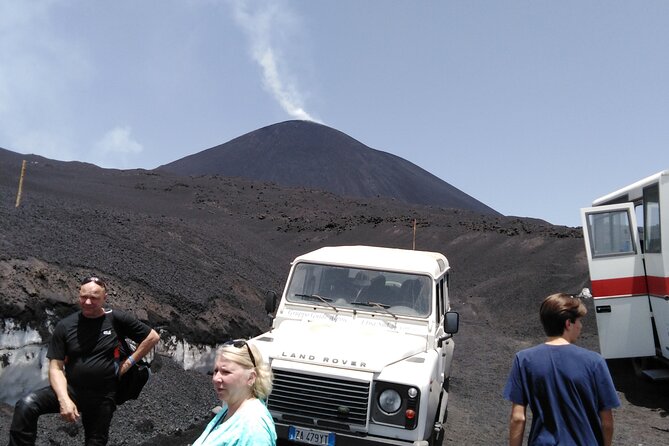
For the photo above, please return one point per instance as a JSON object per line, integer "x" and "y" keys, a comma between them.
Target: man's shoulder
{"x": 569, "y": 350}
{"x": 535, "y": 349}
{"x": 69, "y": 319}
{"x": 120, "y": 315}
{"x": 127, "y": 323}
{"x": 586, "y": 354}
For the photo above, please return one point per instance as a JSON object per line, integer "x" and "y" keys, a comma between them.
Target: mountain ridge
{"x": 312, "y": 155}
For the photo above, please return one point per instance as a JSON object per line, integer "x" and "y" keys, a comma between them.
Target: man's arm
{"x": 606, "y": 417}
{"x": 68, "y": 410}
{"x": 517, "y": 424}
{"x": 143, "y": 348}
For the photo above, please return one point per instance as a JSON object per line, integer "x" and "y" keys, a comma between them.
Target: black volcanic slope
{"x": 194, "y": 256}
{"x": 306, "y": 154}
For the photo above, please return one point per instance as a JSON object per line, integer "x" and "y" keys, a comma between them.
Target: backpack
{"x": 130, "y": 385}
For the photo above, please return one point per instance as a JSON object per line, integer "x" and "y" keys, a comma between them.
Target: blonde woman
{"x": 242, "y": 381}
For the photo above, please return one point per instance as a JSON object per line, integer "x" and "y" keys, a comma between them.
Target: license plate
{"x": 311, "y": 436}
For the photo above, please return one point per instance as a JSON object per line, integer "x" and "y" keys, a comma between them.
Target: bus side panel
{"x": 660, "y": 307}
{"x": 625, "y": 329}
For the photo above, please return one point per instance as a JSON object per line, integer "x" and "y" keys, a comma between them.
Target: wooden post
{"x": 414, "y": 234}
{"x": 18, "y": 194}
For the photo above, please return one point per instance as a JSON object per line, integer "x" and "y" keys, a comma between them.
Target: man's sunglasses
{"x": 239, "y": 343}
{"x": 95, "y": 280}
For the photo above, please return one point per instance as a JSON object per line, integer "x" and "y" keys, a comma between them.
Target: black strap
{"x": 125, "y": 347}
{"x": 120, "y": 336}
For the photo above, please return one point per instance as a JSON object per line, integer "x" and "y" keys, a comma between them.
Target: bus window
{"x": 610, "y": 233}
{"x": 440, "y": 298}
{"x": 638, "y": 212}
{"x": 651, "y": 200}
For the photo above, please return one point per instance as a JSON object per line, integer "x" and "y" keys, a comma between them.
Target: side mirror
{"x": 270, "y": 302}
{"x": 451, "y": 325}
{"x": 451, "y": 322}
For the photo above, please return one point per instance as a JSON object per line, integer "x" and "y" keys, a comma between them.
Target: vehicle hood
{"x": 330, "y": 344}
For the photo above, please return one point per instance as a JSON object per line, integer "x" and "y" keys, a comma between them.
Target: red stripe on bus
{"x": 630, "y": 286}
{"x": 624, "y": 286}
{"x": 658, "y": 286}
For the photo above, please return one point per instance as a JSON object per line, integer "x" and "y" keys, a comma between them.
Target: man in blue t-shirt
{"x": 568, "y": 388}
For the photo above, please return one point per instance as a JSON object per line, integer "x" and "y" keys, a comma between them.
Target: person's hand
{"x": 125, "y": 366}
{"x": 69, "y": 411}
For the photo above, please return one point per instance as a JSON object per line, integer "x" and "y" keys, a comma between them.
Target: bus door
{"x": 657, "y": 259}
{"x": 618, "y": 280}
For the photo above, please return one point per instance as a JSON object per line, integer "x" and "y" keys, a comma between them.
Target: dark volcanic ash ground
{"x": 194, "y": 257}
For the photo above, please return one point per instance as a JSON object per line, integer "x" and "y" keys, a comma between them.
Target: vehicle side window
{"x": 610, "y": 234}
{"x": 446, "y": 304}
{"x": 651, "y": 229}
{"x": 440, "y": 299}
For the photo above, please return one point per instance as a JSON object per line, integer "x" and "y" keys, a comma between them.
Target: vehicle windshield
{"x": 385, "y": 292}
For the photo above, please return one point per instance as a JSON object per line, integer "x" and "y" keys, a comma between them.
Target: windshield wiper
{"x": 325, "y": 300}
{"x": 384, "y": 307}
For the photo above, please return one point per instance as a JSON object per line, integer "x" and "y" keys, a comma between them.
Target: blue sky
{"x": 535, "y": 108}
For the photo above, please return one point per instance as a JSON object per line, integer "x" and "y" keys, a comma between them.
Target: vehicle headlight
{"x": 390, "y": 401}
{"x": 395, "y": 405}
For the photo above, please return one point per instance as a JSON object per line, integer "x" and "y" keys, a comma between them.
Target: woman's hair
{"x": 262, "y": 386}
{"x": 556, "y": 309}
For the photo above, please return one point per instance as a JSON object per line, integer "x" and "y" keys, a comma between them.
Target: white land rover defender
{"x": 360, "y": 348}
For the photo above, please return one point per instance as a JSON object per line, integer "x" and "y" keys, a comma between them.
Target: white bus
{"x": 628, "y": 258}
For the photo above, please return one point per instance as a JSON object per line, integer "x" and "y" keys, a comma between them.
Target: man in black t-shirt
{"x": 83, "y": 368}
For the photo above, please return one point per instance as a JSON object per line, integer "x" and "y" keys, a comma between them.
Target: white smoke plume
{"x": 264, "y": 27}
{"x": 118, "y": 140}
{"x": 116, "y": 148}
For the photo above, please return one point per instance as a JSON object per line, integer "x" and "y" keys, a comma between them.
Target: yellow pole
{"x": 414, "y": 234}
{"x": 18, "y": 194}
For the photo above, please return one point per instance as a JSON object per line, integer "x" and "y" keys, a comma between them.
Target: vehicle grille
{"x": 319, "y": 398}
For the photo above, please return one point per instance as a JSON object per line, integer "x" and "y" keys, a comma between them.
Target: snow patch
{"x": 12, "y": 337}
{"x": 24, "y": 366}
{"x": 22, "y": 370}
{"x": 190, "y": 356}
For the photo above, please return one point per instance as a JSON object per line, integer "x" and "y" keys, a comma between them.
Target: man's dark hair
{"x": 556, "y": 309}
